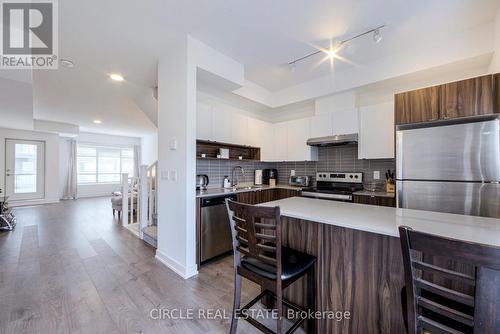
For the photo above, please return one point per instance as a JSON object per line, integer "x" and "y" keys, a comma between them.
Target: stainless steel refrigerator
{"x": 450, "y": 166}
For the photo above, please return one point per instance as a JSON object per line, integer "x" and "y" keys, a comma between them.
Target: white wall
{"x": 149, "y": 149}
{"x": 16, "y": 104}
{"x": 495, "y": 62}
{"x": 119, "y": 141}
{"x": 51, "y": 161}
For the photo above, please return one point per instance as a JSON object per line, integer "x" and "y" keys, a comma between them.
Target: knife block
{"x": 389, "y": 186}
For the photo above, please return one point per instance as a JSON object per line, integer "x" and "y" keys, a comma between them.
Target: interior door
{"x": 24, "y": 169}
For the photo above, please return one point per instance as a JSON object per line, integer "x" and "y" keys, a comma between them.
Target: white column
{"x": 177, "y": 145}
{"x": 176, "y": 160}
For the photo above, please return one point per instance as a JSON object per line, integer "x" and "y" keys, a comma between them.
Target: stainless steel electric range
{"x": 335, "y": 186}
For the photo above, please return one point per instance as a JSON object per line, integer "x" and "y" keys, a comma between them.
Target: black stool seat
{"x": 260, "y": 257}
{"x": 294, "y": 264}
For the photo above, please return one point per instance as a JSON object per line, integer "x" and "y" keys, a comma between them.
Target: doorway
{"x": 24, "y": 169}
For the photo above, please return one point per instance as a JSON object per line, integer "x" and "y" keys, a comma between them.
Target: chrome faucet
{"x": 233, "y": 182}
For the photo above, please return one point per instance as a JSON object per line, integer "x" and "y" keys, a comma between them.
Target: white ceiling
{"x": 104, "y": 36}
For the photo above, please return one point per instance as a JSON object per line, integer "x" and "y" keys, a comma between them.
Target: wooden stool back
{"x": 256, "y": 233}
{"x": 470, "y": 303}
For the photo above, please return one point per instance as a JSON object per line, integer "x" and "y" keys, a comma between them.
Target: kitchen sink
{"x": 248, "y": 188}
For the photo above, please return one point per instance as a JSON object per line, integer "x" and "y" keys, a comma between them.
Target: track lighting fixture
{"x": 331, "y": 52}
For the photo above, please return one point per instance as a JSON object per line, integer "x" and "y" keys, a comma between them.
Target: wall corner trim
{"x": 175, "y": 266}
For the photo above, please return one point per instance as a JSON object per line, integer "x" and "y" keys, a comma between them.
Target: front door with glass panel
{"x": 24, "y": 169}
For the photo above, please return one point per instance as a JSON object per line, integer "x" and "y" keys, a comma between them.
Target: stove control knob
{"x": 355, "y": 176}
{"x": 351, "y": 176}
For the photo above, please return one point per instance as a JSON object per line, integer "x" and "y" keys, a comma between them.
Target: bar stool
{"x": 260, "y": 258}
{"x": 443, "y": 300}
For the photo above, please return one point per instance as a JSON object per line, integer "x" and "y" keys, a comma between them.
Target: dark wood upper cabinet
{"x": 421, "y": 105}
{"x": 471, "y": 97}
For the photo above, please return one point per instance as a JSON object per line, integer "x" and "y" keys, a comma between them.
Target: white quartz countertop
{"x": 374, "y": 193}
{"x": 211, "y": 192}
{"x": 385, "y": 220}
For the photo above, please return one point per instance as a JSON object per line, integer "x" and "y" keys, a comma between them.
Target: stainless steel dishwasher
{"x": 215, "y": 230}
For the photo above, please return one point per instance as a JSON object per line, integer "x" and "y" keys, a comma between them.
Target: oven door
{"x": 327, "y": 196}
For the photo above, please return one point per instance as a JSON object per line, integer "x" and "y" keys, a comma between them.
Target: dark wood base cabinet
{"x": 375, "y": 200}
{"x": 358, "y": 272}
{"x": 266, "y": 195}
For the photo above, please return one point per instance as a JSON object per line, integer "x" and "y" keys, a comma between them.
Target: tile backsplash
{"x": 331, "y": 159}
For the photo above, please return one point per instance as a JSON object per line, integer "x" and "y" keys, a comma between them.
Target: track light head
{"x": 377, "y": 37}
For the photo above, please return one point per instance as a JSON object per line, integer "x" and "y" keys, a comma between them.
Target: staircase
{"x": 144, "y": 223}
{"x": 150, "y": 233}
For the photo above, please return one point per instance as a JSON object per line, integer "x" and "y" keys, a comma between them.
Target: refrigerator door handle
{"x": 399, "y": 194}
{"x": 399, "y": 155}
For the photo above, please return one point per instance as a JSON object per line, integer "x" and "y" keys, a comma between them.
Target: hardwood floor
{"x": 71, "y": 268}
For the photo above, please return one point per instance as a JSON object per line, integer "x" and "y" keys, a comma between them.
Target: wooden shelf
{"x": 211, "y": 150}
{"x": 230, "y": 159}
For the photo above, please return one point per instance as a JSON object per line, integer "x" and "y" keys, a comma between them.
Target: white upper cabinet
{"x": 297, "y": 135}
{"x": 343, "y": 112}
{"x": 280, "y": 141}
{"x": 254, "y": 129}
{"x": 261, "y": 134}
{"x": 345, "y": 122}
{"x": 204, "y": 122}
{"x": 321, "y": 125}
{"x": 376, "y": 131}
{"x": 239, "y": 129}
{"x": 221, "y": 125}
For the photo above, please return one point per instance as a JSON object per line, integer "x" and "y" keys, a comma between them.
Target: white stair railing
{"x": 140, "y": 192}
{"x": 144, "y": 199}
{"x": 130, "y": 199}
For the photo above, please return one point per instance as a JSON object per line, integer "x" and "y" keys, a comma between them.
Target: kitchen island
{"x": 359, "y": 263}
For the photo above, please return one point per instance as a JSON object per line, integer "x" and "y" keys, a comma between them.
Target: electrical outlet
{"x": 376, "y": 175}
{"x": 173, "y": 175}
{"x": 164, "y": 175}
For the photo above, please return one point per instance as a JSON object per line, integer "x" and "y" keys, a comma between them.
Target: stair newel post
{"x": 143, "y": 198}
{"x": 125, "y": 189}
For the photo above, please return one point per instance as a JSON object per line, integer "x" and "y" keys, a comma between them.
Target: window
{"x": 99, "y": 164}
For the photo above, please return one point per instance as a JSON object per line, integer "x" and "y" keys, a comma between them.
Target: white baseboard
{"x": 94, "y": 195}
{"x": 32, "y": 202}
{"x": 175, "y": 266}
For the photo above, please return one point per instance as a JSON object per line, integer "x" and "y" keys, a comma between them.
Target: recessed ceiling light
{"x": 116, "y": 77}
{"x": 97, "y": 121}
{"x": 67, "y": 63}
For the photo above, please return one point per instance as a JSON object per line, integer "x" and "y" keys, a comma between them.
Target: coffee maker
{"x": 269, "y": 174}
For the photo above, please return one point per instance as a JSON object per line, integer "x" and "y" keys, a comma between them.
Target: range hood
{"x": 336, "y": 140}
